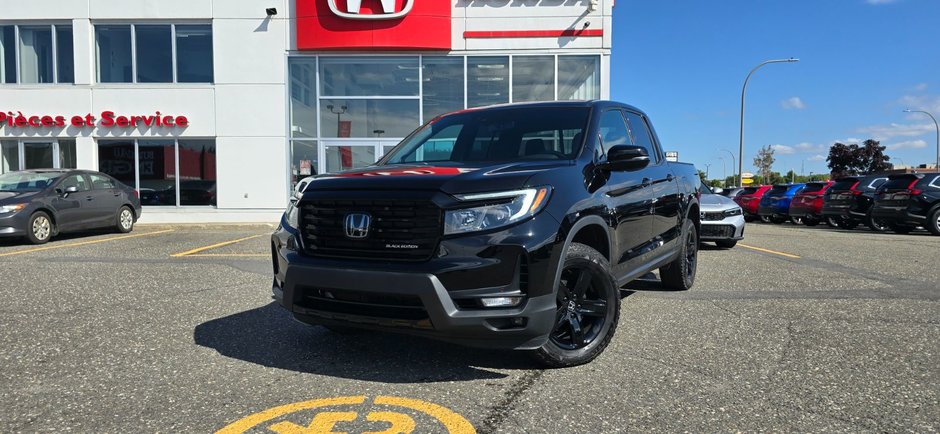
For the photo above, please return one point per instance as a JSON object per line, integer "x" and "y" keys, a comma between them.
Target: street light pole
{"x": 732, "y": 164}
{"x": 938, "y": 132}
{"x": 724, "y": 172}
{"x": 743, "y": 92}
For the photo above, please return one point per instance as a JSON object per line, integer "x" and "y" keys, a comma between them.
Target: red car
{"x": 749, "y": 200}
{"x": 806, "y": 206}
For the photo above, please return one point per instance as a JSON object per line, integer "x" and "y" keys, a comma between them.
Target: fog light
{"x": 501, "y": 301}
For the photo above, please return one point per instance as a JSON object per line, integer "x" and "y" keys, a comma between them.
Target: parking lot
{"x": 172, "y": 329}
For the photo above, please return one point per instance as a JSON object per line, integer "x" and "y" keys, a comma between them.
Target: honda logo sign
{"x": 353, "y": 9}
{"x": 357, "y": 225}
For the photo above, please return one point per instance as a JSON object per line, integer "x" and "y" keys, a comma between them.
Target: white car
{"x": 722, "y": 219}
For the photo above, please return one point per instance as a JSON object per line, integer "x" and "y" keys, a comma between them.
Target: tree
{"x": 764, "y": 162}
{"x": 846, "y": 160}
{"x": 701, "y": 175}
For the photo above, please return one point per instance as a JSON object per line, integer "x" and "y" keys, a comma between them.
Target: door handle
{"x": 646, "y": 182}
{"x": 670, "y": 178}
{"x": 89, "y": 198}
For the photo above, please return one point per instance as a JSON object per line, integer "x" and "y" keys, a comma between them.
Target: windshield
{"x": 899, "y": 182}
{"x": 544, "y": 133}
{"x": 21, "y": 182}
{"x": 843, "y": 184}
{"x": 813, "y": 187}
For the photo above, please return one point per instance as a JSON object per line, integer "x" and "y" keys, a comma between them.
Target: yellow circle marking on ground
{"x": 322, "y": 422}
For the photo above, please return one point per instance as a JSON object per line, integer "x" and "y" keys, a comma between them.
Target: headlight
{"x": 12, "y": 208}
{"x": 290, "y": 216}
{"x": 511, "y": 207}
{"x": 732, "y": 212}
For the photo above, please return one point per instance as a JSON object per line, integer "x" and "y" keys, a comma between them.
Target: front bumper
{"x": 14, "y": 224}
{"x": 731, "y": 228}
{"x": 431, "y": 298}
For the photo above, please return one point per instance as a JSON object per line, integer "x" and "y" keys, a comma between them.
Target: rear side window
{"x": 778, "y": 189}
{"x": 872, "y": 184}
{"x": 641, "y": 134}
{"x": 936, "y": 182}
{"x": 748, "y": 190}
{"x": 899, "y": 182}
{"x": 101, "y": 182}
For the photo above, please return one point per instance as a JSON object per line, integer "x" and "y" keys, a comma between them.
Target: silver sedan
{"x": 722, "y": 219}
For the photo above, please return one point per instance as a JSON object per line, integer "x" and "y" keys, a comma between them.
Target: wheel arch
{"x": 592, "y": 228}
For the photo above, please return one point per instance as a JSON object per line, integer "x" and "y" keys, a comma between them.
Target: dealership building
{"x": 214, "y": 109}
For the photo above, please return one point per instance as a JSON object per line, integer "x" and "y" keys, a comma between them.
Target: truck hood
{"x": 449, "y": 178}
{"x": 716, "y": 202}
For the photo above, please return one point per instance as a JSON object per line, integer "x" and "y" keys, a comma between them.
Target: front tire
{"x": 876, "y": 224}
{"x": 680, "y": 274}
{"x": 125, "y": 220}
{"x": 765, "y": 219}
{"x": 588, "y": 309}
{"x": 39, "y": 229}
{"x": 833, "y": 222}
{"x": 933, "y": 222}
{"x": 796, "y": 220}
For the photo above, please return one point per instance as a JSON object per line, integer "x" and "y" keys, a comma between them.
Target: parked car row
{"x": 899, "y": 203}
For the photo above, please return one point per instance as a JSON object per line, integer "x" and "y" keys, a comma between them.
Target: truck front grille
{"x": 400, "y": 229}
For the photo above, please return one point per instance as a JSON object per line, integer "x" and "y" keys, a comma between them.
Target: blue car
{"x": 775, "y": 204}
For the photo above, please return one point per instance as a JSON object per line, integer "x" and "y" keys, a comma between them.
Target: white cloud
{"x": 920, "y": 87}
{"x": 910, "y": 144}
{"x": 810, "y": 147}
{"x": 783, "y": 149}
{"x": 920, "y": 102}
{"x": 888, "y": 132}
{"x": 817, "y": 157}
{"x": 794, "y": 103}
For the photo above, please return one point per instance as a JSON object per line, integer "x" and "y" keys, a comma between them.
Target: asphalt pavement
{"x": 172, "y": 329}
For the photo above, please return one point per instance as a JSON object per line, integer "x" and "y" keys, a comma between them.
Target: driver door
{"x": 70, "y": 209}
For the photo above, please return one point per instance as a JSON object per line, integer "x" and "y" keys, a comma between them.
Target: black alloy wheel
{"x": 765, "y": 219}
{"x": 833, "y": 222}
{"x": 680, "y": 273}
{"x": 796, "y": 220}
{"x": 877, "y": 224}
{"x": 587, "y": 310}
{"x": 933, "y": 222}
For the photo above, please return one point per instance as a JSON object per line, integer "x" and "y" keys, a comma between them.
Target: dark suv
{"x": 847, "y": 202}
{"x": 910, "y": 200}
{"x": 509, "y": 227}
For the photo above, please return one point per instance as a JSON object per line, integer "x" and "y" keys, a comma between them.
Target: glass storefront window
{"x": 116, "y": 158}
{"x": 533, "y": 78}
{"x": 37, "y": 155}
{"x": 579, "y": 77}
{"x": 487, "y": 80}
{"x": 443, "y": 85}
{"x": 65, "y": 52}
{"x": 304, "y": 160}
{"x": 197, "y": 172}
{"x": 194, "y": 53}
{"x": 368, "y": 117}
{"x": 154, "y": 53}
{"x": 303, "y": 97}
{"x": 67, "y": 154}
{"x": 9, "y": 156}
{"x": 36, "y": 65}
{"x": 156, "y": 166}
{"x": 369, "y": 76}
{"x": 340, "y": 158}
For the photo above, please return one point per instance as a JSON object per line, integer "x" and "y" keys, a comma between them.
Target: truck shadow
{"x": 269, "y": 336}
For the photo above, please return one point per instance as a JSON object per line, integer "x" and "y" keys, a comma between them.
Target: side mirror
{"x": 718, "y": 190}
{"x": 68, "y": 190}
{"x": 626, "y": 157}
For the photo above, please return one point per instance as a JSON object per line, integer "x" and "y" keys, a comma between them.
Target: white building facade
{"x": 213, "y": 109}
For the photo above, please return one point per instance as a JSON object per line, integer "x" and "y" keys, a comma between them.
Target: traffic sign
{"x": 747, "y": 181}
{"x": 747, "y": 175}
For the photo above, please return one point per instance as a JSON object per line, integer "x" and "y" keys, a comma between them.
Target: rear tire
{"x": 765, "y": 219}
{"x": 833, "y": 222}
{"x": 680, "y": 274}
{"x": 125, "y": 220}
{"x": 39, "y": 229}
{"x": 726, "y": 244}
{"x": 588, "y": 309}
{"x": 875, "y": 224}
{"x": 811, "y": 222}
{"x": 796, "y": 220}
{"x": 777, "y": 220}
{"x": 933, "y": 222}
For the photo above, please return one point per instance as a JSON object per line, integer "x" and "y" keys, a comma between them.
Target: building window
{"x": 304, "y": 160}
{"x": 579, "y": 77}
{"x": 368, "y": 118}
{"x": 36, "y": 154}
{"x": 443, "y": 85}
{"x": 154, "y": 53}
{"x": 165, "y": 172}
{"x": 487, "y": 81}
{"x": 44, "y": 54}
{"x": 533, "y": 78}
{"x": 303, "y": 97}
{"x": 369, "y": 76}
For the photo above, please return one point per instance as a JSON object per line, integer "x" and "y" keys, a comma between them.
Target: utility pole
{"x": 743, "y": 92}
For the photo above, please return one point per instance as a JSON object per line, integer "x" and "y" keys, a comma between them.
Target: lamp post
{"x": 339, "y": 114}
{"x": 707, "y": 165}
{"x": 732, "y": 165}
{"x": 724, "y": 172}
{"x": 743, "y": 92}
{"x": 938, "y": 131}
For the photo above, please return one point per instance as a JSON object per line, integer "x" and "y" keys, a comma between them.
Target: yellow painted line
{"x": 83, "y": 243}
{"x": 250, "y": 422}
{"x": 214, "y": 246}
{"x": 223, "y": 255}
{"x": 773, "y": 252}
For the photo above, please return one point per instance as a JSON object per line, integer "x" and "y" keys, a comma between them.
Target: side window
{"x": 641, "y": 134}
{"x": 438, "y": 147}
{"x": 101, "y": 182}
{"x": 613, "y": 129}
{"x": 77, "y": 181}
{"x": 935, "y": 183}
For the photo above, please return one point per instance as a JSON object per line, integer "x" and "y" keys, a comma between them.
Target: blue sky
{"x": 862, "y": 63}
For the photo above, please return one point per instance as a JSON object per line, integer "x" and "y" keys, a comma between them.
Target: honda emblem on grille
{"x": 357, "y": 225}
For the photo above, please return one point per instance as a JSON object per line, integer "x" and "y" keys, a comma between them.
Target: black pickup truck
{"x": 508, "y": 226}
